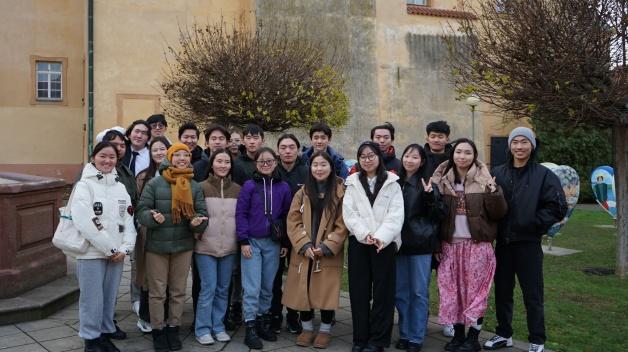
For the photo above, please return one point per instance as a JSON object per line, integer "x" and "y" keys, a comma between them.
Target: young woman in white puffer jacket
{"x": 101, "y": 211}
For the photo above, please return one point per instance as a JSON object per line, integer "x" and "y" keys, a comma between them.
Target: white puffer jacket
{"x": 384, "y": 219}
{"x": 112, "y": 229}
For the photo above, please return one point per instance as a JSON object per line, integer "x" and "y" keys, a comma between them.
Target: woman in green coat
{"x": 172, "y": 208}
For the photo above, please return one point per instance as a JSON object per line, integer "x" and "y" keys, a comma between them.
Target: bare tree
{"x": 270, "y": 76}
{"x": 551, "y": 60}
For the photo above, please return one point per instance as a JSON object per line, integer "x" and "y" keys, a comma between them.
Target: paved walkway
{"x": 59, "y": 332}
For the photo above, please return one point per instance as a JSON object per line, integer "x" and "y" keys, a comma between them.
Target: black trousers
{"x": 371, "y": 276}
{"x": 524, "y": 259}
{"x": 196, "y": 285}
{"x": 276, "y": 308}
{"x": 327, "y": 316}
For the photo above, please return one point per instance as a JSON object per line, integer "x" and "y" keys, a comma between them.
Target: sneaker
{"x": 275, "y": 323}
{"x": 497, "y": 342}
{"x": 205, "y": 339}
{"x": 536, "y": 348}
{"x": 144, "y": 326}
{"x": 135, "y": 307}
{"x": 294, "y": 325}
{"x": 223, "y": 337}
{"x": 448, "y": 330}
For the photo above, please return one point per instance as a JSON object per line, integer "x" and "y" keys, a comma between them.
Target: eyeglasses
{"x": 369, "y": 157}
{"x": 266, "y": 162}
{"x": 157, "y": 126}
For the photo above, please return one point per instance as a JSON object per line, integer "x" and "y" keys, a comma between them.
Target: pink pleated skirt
{"x": 465, "y": 276}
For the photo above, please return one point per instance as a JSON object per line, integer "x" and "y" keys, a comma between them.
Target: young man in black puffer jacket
{"x": 535, "y": 202}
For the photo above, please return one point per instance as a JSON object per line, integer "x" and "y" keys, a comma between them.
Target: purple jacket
{"x": 251, "y": 221}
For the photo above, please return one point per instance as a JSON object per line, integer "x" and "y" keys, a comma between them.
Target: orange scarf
{"x": 182, "y": 202}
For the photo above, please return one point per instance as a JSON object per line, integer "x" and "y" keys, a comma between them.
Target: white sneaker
{"x": 205, "y": 339}
{"x": 144, "y": 326}
{"x": 223, "y": 337}
{"x": 536, "y": 348}
{"x": 135, "y": 307}
{"x": 497, "y": 342}
{"x": 448, "y": 330}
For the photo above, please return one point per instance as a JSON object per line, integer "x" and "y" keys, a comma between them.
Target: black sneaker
{"x": 402, "y": 344}
{"x": 275, "y": 323}
{"x": 95, "y": 345}
{"x": 250, "y": 337}
{"x": 262, "y": 324}
{"x": 293, "y": 325}
{"x": 109, "y": 346}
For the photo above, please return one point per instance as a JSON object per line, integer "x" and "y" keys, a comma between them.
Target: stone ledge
{"x": 40, "y": 302}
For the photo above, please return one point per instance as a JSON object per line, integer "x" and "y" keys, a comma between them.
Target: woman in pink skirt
{"x": 474, "y": 203}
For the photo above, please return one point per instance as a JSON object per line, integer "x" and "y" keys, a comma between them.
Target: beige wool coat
{"x": 324, "y": 289}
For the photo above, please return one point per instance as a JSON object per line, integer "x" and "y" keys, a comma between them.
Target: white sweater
{"x": 384, "y": 219}
{"x": 110, "y": 231}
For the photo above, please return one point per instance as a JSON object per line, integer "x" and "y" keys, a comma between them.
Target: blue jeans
{"x": 258, "y": 274}
{"x": 412, "y": 295}
{"x": 215, "y": 274}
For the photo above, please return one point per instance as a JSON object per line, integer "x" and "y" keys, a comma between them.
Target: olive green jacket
{"x": 167, "y": 238}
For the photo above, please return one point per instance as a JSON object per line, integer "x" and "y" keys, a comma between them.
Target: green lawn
{"x": 583, "y": 312}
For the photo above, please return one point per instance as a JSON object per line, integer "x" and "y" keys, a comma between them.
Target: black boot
{"x": 172, "y": 334}
{"x": 109, "y": 345}
{"x": 275, "y": 323}
{"x": 250, "y": 338}
{"x": 262, "y": 323}
{"x": 95, "y": 345}
{"x": 116, "y": 335}
{"x": 457, "y": 340}
{"x": 160, "y": 341}
{"x": 471, "y": 343}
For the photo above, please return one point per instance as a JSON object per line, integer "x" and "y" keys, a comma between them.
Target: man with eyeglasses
{"x": 137, "y": 155}
{"x": 158, "y": 126}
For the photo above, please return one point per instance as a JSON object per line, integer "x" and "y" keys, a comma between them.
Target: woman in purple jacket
{"x": 262, "y": 202}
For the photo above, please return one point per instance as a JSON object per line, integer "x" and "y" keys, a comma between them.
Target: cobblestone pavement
{"x": 59, "y": 331}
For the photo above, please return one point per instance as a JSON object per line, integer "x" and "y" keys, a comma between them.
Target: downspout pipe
{"x": 90, "y": 77}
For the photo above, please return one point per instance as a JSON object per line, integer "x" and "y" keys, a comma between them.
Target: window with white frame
{"x": 417, "y": 2}
{"x": 49, "y": 80}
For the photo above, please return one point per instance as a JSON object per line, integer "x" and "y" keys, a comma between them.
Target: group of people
{"x": 239, "y": 213}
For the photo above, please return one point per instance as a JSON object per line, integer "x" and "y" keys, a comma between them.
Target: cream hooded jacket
{"x": 384, "y": 219}
{"x": 101, "y": 214}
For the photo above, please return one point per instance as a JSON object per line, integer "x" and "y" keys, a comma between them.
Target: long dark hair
{"x": 421, "y": 169}
{"x": 451, "y": 164}
{"x": 380, "y": 173}
{"x": 210, "y": 167}
{"x": 311, "y": 188}
{"x": 152, "y": 168}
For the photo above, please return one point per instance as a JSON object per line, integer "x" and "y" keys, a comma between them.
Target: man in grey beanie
{"x": 535, "y": 202}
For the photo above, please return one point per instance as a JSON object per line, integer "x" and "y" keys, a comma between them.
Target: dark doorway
{"x": 499, "y": 151}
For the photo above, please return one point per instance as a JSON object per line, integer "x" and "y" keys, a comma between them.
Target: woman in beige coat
{"x": 317, "y": 233}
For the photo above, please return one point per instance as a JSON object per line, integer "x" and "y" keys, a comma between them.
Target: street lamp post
{"x": 472, "y": 100}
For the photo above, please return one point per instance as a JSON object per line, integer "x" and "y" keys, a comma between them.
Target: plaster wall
{"x": 35, "y": 133}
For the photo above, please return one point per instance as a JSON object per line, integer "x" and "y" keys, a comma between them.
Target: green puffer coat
{"x": 167, "y": 238}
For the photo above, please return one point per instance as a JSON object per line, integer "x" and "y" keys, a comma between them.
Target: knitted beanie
{"x": 175, "y": 148}
{"x": 522, "y": 131}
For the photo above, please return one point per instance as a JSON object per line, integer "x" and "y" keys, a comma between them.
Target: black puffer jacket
{"x": 535, "y": 199}
{"x": 423, "y": 214}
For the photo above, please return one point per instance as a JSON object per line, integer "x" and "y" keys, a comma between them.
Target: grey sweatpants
{"x": 99, "y": 280}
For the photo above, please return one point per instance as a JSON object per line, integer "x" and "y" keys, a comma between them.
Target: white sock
{"x": 307, "y": 325}
{"x": 325, "y": 328}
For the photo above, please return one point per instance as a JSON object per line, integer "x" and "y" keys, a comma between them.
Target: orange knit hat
{"x": 175, "y": 148}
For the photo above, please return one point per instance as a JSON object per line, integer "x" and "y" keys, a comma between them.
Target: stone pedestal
{"x": 28, "y": 218}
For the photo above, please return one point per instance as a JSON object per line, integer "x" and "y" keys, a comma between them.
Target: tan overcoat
{"x": 324, "y": 289}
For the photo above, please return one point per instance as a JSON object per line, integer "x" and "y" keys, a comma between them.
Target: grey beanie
{"x": 525, "y": 132}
